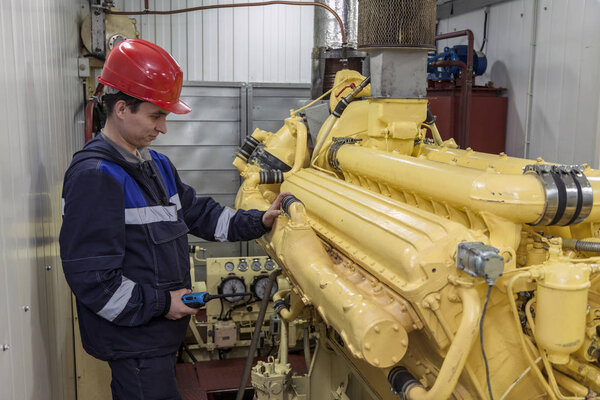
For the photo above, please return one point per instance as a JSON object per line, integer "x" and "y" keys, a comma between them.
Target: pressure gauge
{"x": 232, "y": 285}
{"x": 243, "y": 265}
{"x": 256, "y": 265}
{"x": 269, "y": 265}
{"x": 229, "y": 266}
{"x": 259, "y": 286}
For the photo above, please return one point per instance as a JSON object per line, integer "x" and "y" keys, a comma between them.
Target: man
{"x": 126, "y": 215}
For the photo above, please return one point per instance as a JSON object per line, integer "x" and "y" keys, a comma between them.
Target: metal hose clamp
{"x": 569, "y": 195}
{"x": 332, "y": 153}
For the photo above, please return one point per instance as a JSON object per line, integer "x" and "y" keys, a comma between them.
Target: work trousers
{"x": 144, "y": 379}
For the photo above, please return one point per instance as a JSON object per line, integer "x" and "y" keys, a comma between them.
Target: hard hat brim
{"x": 176, "y": 108}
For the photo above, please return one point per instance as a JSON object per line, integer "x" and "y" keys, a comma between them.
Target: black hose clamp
{"x": 279, "y": 305}
{"x": 333, "y": 149}
{"x": 247, "y": 148}
{"x": 271, "y": 176}
{"x": 401, "y": 380}
{"x": 287, "y": 202}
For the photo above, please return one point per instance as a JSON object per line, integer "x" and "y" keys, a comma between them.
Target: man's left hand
{"x": 274, "y": 211}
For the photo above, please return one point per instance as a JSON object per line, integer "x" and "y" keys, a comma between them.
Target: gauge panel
{"x": 232, "y": 285}
{"x": 259, "y": 286}
{"x": 218, "y": 273}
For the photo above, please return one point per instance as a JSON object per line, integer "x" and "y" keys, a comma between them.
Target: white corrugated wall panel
{"x": 256, "y": 44}
{"x": 566, "y": 84}
{"x": 564, "y": 117}
{"x": 39, "y": 132}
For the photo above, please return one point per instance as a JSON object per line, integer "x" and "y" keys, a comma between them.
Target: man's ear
{"x": 120, "y": 108}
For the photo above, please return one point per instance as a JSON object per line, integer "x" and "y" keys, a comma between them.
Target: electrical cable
{"x": 221, "y": 312}
{"x": 236, "y": 306}
{"x": 487, "y": 369}
{"x": 485, "y": 22}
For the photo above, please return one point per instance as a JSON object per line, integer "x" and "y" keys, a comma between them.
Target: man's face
{"x": 142, "y": 127}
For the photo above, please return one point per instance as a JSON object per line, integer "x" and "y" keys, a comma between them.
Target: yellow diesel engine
{"x": 428, "y": 271}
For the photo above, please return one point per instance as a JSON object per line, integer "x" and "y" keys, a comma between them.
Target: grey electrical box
{"x": 480, "y": 260}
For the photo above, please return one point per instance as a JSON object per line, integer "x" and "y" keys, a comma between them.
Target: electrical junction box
{"x": 225, "y": 334}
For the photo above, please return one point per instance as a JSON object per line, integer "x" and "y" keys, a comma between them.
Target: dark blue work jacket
{"x": 124, "y": 246}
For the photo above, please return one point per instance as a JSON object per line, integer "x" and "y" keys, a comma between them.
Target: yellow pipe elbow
{"x": 323, "y": 135}
{"x": 261, "y": 136}
{"x": 240, "y": 164}
{"x": 298, "y": 213}
{"x": 457, "y": 353}
{"x": 296, "y": 305}
{"x": 300, "y": 155}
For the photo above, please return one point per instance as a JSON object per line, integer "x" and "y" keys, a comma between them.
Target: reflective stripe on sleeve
{"x": 222, "y": 228}
{"x": 148, "y": 215}
{"x": 118, "y": 301}
{"x": 63, "y": 206}
{"x": 175, "y": 200}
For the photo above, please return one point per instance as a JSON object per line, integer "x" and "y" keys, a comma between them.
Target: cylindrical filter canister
{"x": 560, "y": 312}
{"x": 396, "y": 23}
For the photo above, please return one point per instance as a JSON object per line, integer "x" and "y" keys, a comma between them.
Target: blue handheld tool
{"x": 195, "y": 300}
{"x": 198, "y": 299}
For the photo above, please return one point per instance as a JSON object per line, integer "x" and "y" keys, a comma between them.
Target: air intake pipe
{"x": 542, "y": 195}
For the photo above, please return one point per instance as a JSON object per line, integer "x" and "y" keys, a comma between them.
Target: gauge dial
{"x": 269, "y": 265}
{"x": 256, "y": 265}
{"x": 232, "y": 285}
{"x": 259, "y": 286}
{"x": 229, "y": 266}
{"x": 243, "y": 265}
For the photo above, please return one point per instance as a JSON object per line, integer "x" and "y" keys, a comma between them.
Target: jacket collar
{"x": 103, "y": 142}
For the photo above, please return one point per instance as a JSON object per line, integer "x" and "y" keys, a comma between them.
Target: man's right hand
{"x": 178, "y": 309}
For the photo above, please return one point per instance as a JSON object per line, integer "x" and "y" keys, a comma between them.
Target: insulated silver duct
{"x": 327, "y": 32}
{"x": 328, "y": 55}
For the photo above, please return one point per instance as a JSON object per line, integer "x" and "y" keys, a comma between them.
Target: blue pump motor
{"x": 456, "y": 53}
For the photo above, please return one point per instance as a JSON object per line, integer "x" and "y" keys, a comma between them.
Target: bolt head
{"x": 48, "y": 267}
{"x": 5, "y": 347}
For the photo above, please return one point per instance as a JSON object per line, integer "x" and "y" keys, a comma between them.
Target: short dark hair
{"x": 109, "y": 101}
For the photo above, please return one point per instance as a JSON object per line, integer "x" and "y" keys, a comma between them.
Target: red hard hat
{"x": 144, "y": 70}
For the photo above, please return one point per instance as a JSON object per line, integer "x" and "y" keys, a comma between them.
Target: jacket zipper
{"x": 147, "y": 183}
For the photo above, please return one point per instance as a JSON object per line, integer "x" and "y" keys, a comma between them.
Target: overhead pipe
{"x": 146, "y": 11}
{"x": 530, "y": 76}
{"x": 467, "y": 86}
